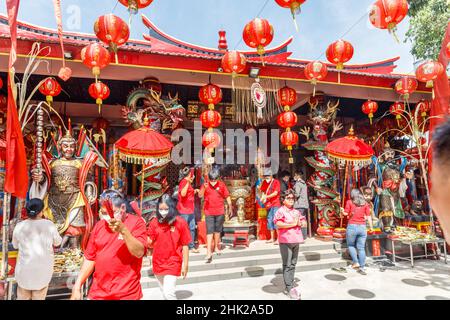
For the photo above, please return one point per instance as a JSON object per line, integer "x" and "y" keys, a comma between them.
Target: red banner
{"x": 16, "y": 178}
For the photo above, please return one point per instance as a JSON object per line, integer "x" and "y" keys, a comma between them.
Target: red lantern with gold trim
{"x": 99, "y": 91}
{"x": 338, "y": 53}
{"x": 405, "y": 86}
{"x": 294, "y": 5}
{"x": 397, "y": 108}
{"x": 287, "y": 119}
{"x": 287, "y": 97}
{"x": 233, "y": 62}
{"x": 96, "y": 57}
{"x": 424, "y": 107}
{"x": 387, "y": 14}
{"x": 289, "y": 138}
{"x": 370, "y": 107}
{"x": 112, "y": 30}
{"x": 315, "y": 71}
{"x": 258, "y": 34}
{"x": 50, "y": 88}
{"x": 428, "y": 72}
{"x": 210, "y": 95}
{"x": 134, "y": 5}
{"x": 210, "y": 119}
{"x": 211, "y": 140}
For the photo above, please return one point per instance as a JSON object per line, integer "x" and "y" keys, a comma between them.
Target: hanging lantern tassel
{"x": 260, "y": 51}
{"x": 392, "y": 28}
{"x": 293, "y": 9}
{"x": 259, "y": 114}
{"x": 398, "y": 117}
{"x": 314, "y": 82}
{"x": 49, "y": 99}
{"x": 370, "y": 118}
{"x": 339, "y": 67}
{"x": 99, "y": 102}
{"x": 291, "y": 158}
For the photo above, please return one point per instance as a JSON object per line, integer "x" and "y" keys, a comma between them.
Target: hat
{"x": 34, "y": 207}
{"x": 267, "y": 172}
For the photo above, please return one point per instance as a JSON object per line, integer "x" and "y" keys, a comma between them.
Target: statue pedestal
{"x": 231, "y": 226}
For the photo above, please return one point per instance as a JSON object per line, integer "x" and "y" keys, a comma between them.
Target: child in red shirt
{"x": 169, "y": 234}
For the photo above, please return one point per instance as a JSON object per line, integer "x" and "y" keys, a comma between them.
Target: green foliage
{"x": 428, "y": 22}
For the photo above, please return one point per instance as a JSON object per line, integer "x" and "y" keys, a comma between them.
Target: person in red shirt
{"x": 114, "y": 253}
{"x": 215, "y": 193}
{"x": 169, "y": 235}
{"x": 358, "y": 210}
{"x": 186, "y": 202}
{"x": 271, "y": 190}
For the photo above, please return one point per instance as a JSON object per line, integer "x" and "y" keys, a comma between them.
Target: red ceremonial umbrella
{"x": 346, "y": 150}
{"x": 144, "y": 146}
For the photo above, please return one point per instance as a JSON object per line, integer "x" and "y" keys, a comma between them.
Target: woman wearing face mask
{"x": 289, "y": 222}
{"x": 359, "y": 211}
{"x": 169, "y": 234}
{"x": 215, "y": 193}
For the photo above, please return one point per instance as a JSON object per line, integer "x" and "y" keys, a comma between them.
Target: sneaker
{"x": 294, "y": 294}
{"x": 362, "y": 271}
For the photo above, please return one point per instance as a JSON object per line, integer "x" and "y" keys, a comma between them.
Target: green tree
{"x": 428, "y": 22}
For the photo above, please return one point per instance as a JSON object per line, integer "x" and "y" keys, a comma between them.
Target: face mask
{"x": 163, "y": 213}
{"x": 267, "y": 179}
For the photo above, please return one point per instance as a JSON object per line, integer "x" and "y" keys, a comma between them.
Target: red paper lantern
{"x": 112, "y": 30}
{"x": 289, "y": 139}
{"x": 96, "y": 57}
{"x": 211, "y": 140}
{"x": 210, "y": 119}
{"x": 339, "y": 52}
{"x": 397, "y": 108}
{"x": 50, "y": 88}
{"x": 370, "y": 107}
{"x": 258, "y": 33}
{"x": 287, "y": 119}
{"x": 405, "y": 86}
{"x": 424, "y": 107}
{"x": 294, "y": 5}
{"x": 210, "y": 95}
{"x": 315, "y": 71}
{"x": 134, "y": 5}
{"x": 100, "y": 123}
{"x": 429, "y": 71}
{"x": 99, "y": 91}
{"x": 233, "y": 62}
{"x": 287, "y": 97}
{"x": 386, "y": 14}
{"x": 3, "y": 103}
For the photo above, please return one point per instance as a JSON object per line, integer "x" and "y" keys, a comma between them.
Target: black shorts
{"x": 214, "y": 224}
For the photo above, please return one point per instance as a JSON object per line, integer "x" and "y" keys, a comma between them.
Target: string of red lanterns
{"x": 258, "y": 34}
{"x": 287, "y": 97}
{"x": 315, "y": 71}
{"x": 294, "y": 5}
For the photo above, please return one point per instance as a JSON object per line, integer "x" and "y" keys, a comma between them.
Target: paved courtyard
{"x": 429, "y": 280}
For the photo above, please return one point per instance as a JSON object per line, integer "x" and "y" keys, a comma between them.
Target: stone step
{"x": 227, "y": 261}
{"x": 249, "y": 271}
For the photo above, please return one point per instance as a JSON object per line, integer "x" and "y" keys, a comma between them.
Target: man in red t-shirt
{"x": 115, "y": 250}
{"x": 215, "y": 193}
{"x": 270, "y": 188}
{"x": 186, "y": 202}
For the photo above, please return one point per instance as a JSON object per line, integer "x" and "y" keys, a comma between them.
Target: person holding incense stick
{"x": 115, "y": 250}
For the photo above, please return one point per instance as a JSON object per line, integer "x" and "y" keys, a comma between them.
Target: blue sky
{"x": 198, "y": 21}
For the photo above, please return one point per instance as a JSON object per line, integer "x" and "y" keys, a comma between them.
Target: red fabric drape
{"x": 16, "y": 181}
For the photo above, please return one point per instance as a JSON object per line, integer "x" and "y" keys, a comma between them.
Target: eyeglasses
{"x": 289, "y": 198}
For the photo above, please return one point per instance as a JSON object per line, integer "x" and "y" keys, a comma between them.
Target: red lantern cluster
{"x": 96, "y": 57}
{"x": 424, "y": 107}
{"x": 258, "y": 34}
{"x": 50, "y": 88}
{"x": 99, "y": 91}
{"x": 210, "y": 95}
{"x": 397, "y": 108}
{"x": 134, "y": 5}
{"x": 112, "y": 30}
{"x": 386, "y": 14}
{"x": 406, "y": 86}
{"x": 370, "y": 107}
{"x": 287, "y": 97}
{"x": 315, "y": 71}
{"x": 294, "y": 5}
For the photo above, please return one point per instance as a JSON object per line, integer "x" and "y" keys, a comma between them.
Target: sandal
{"x": 209, "y": 260}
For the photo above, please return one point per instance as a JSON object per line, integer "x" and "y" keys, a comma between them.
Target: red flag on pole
{"x": 16, "y": 177}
